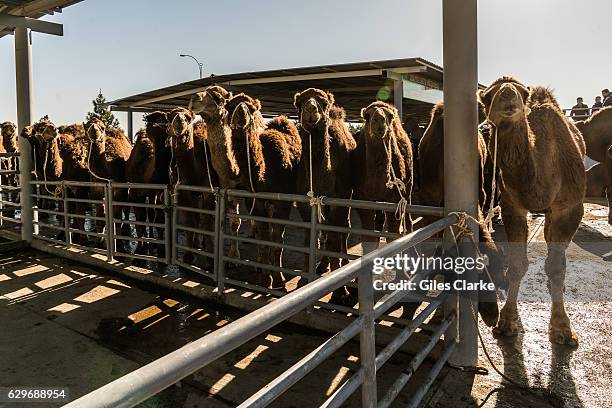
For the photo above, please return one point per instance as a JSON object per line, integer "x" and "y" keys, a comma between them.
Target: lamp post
{"x": 200, "y": 65}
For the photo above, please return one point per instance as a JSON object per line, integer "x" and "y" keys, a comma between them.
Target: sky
{"x": 126, "y": 47}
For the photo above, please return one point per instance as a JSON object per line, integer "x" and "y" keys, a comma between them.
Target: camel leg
{"x": 336, "y": 242}
{"x": 515, "y": 221}
{"x": 189, "y": 219}
{"x": 140, "y": 214}
{"x": 261, "y": 231}
{"x": 161, "y": 232}
{"x": 208, "y": 224}
{"x": 609, "y": 197}
{"x": 559, "y": 229}
{"x": 280, "y": 210}
{"x": 234, "y": 252}
{"x": 100, "y": 212}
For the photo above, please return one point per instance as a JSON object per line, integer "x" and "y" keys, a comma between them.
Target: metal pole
{"x": 130, "y": 126}
{"x": 312, "y": 255}
{"x": 460, "y": 146}
{"x": 168, "y": 226}
{"x": 398, "y": 97}
{"x": 367, "y": 339}
{"x": 219, "y": 245}
{"x": 110, "y": 223}
{"x": 23, "y": 69}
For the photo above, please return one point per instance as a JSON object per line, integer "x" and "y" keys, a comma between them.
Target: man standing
{"x": 607, "y": 97}
{"x": 580, "y": 110}
{"x": 597, "y": 105}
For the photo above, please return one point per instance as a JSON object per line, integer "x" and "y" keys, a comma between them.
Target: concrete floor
{"x": 558, "y": 376}
{"x": 72, "y": 326}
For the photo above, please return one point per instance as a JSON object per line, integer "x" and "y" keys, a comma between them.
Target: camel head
{"x": 379, "y": 118}
{"x": 9, "y": 136}
{"x": 313, "y": 107}
{"x": 243, "y": 111}
{"x": 46, "y": 131}
{"x": 95, "y": 130}
{"x": 210, "y": 104}
{"x": 505, "y": 101}
{"x": 180, "y": 126}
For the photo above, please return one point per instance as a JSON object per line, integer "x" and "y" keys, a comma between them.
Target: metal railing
{"x": 154, "y": 377}
{"x": 10, "y": 207}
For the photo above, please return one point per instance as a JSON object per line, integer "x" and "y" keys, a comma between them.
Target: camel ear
{"x": 257, "y": 104}
{"x": 296, "y": 99}
{"x": 364, "y": 114}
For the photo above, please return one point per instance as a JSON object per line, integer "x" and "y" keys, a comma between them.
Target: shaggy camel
{"x": 211, "y": 105}
{"x": 8, "y": 133}
{"x": 431, "y": 151}
{"x": 267, "y": 156}
{"x": 187, "y": 140}
{"x": 597, "y": 133}
{"x": 383, "y": 153}
{"x": 541, "y": 158}
{"x": 108, "y": 155}
{"x": 149, "y": 163}
{"x": 65, "y": 152}
{"x": 326, "y": 139}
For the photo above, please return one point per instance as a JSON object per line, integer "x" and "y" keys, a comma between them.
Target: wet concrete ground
{"x": 558, "y": 376}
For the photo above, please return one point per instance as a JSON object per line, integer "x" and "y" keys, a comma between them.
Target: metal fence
{"x": 10, "y": 207}
{"x": 194, "y": 228}
{"x": 146, "y": 381}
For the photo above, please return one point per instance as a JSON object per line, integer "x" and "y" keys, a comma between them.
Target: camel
{"x": 192, "y": 165}
{"x": 541, "y": 157}
{"x": 66, "y": 150}
{"x": 149, "y": 163}
{"x": 415, "y": 134}
{"x": 431, "y": 152}
{"x": 328, "y": 142}
{"x": 383, "y": 154}
{"x": 267, "y": 156}
{"x": 8, "y": 132}
{"x": 597, "y": 181}
{"x": 211, "y": 105}
{"x": 108, "y": 155}
{"x": 597, "y": 133}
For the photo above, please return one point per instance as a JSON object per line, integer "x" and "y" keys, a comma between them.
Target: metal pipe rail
{"x": 146, "y": 381}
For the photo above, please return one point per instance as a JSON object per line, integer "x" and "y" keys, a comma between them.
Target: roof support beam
{"x": 31, "y": 23}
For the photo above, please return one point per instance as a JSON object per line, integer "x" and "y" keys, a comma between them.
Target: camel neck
{"x": 253, "y": 156}
{"x": 516, "y": 156}
{"x": 320, "y": 137}
{"x": 222, "y": 151}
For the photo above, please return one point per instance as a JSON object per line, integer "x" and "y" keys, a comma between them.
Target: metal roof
{"x": 32, "y": 9}
{"x": 354, "y": 85}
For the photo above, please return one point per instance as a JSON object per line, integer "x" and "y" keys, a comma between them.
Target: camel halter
{"x": 393, "y": 180}
{"x": 91, "y": 142}
{"x": 493, "y": 209}
{"x": 314, "y": 201}
{"x": 248, "y": 149}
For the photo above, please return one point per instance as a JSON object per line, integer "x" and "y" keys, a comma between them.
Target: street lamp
{"x": 200, "y": 65}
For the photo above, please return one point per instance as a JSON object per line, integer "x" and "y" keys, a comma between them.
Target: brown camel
{"x": 415, "y": 134}
{"x": 541, "y": 158}
{"x": 267, "y": 156}
{"x": 211, "y": 105}
{"x": 431, "y": 152}
{"x": 597, "y": 133}
{"x": 597, "y": 181}
{"x": 149, "y": 163}
{"x": 109, "y": 152}
{"x": 8, "y": 133}
{"x": 383, "y": 154}
{"x": 187, "y": 139}
{"x": 329, "y": 143}
{"x": 66, "y": 150}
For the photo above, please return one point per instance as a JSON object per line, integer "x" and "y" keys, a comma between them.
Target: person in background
{"x": 607, "y": 97}
{"x": 580, "y": 110}
{"x": 597, "y": 105}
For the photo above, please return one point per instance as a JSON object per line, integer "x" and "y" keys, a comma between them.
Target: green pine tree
{"x": 100, "y": 110}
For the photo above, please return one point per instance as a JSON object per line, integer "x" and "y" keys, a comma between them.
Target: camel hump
{"x": 283, "y": 125}
{"x": 541, "y": 95}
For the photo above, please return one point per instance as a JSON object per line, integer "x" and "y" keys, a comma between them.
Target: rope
{"x": 493, "y": 210}
{"x": 318, "y": 201}
{"x": 248, "y": 152}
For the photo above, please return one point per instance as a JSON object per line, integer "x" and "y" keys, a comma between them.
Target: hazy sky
{"x": 125, "y": 47}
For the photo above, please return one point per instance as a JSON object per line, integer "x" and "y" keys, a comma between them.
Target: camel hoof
{"x": 508, "y": 322}
{"x": 563, "y": 334}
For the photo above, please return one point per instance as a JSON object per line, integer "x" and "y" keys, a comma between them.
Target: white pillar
{"x": 23, "y": 69}
{"x": 461, "y": 145}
